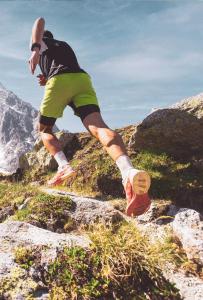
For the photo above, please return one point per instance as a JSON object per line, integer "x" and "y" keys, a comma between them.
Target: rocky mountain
{"x": 17, "y": 129}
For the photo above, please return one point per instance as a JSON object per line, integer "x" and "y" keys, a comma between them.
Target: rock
{"x": 87, "y": 210}
{"x": 39, "y": 158}
{"x": 156, "y": 210}
{"x": 173, "y": 210}
{"x": 14, "y": 234}
{"x": 25, "y": 203}
{"x": 177, "y": 131}
{"x": 192, "y": 105}
{"x": 188, "y": 227}
{"x": 190, "y": 287}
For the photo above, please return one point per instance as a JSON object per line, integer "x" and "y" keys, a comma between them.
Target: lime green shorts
{"x": 73, "y": 89}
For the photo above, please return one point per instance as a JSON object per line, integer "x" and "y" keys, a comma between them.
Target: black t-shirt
{"x": 58, "y": 58}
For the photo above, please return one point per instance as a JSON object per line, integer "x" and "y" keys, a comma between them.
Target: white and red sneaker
{"x": 136, "y": 187}
{"x": 62, "y": 174}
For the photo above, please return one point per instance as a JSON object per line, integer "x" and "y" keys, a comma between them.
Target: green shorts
{"x": 73, "y": 89}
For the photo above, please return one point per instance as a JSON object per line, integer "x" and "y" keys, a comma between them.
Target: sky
{"x": 141, "y": 55}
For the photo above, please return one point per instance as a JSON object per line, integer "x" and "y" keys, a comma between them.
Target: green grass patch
{"x": 48, "y": 211}
{"x": 178, "y": 181}
{"x": 12, "y": 194}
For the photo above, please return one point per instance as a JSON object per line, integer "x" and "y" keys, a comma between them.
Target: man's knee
{"x": 105, "y": 135}
{"x": 44, "y": 128}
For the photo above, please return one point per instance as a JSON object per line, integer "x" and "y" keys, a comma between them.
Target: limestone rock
{"x": 190, "y": 287}
{"x": 25, "y": 234}
{"x": 87, "y": 210}
{"x": 18, "y": 283}
{"x": 188, "y": 227}
{"x": 155, "y": 211}
{"x": 15, "y": 233}
{"x": 177, "y": 131}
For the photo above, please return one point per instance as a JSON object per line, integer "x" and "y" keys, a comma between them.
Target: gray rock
{"x": 156, "y": 210}
{"x": 18, "y": 282}
{"x": 190, "y": 287}
{"x": 88, "y": 210}
{"x": 23, "y": 233}
{"x": 24, "y": 204}
{"x": 173, "y": 210}
{"x": 177, "y": 131}
{"x": 188, "y": 227}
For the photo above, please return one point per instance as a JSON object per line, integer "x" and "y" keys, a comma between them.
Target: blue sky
{"x": 141, "y": 55}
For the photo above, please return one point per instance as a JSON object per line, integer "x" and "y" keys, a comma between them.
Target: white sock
{"x": 61, "y": 159}
{"x": 124, "y": 164}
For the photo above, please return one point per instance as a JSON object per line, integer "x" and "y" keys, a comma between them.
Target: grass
{"x": 13, "y": 194}
{"x": 120, "y": 264}
{"x": 180, "y": 182}
{"x": 24, "y": 257}
{"x": 43, "y": 210}
{"x": 48, "y": 211}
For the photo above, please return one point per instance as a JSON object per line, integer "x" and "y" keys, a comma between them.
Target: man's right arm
{"x": 38, "y": 31}
{"x": 36, "y": 39}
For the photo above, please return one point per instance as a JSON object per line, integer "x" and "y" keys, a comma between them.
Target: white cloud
{"x": 167, "y": 47}
{"x": 149, "y": 66}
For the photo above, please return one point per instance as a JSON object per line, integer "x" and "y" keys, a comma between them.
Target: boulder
{"x": 188, "y": 227}
{"x": 89, "y": 210}
{"x": 177, "y": 131}
{"x": 14, "y": 234}
{"x": 190, "y": 286}
{"x": 15, "y": 282}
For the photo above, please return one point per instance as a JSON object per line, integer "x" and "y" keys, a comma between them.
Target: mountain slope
{"x": 17, "y": 129}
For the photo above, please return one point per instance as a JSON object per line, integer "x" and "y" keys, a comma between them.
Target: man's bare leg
{"x": 52, "y": 144}
{"x": 111, "y": 140}
{"x": 136, "y": 183}
{"x": 50, "y": 141}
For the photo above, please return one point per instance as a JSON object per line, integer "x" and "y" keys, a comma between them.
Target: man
{"x": 67, "y": 84}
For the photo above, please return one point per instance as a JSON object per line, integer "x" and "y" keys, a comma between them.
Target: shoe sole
{"x": 140, "y": 182}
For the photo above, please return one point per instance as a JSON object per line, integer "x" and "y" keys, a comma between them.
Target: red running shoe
{"x": 61, "y": 175}
{"x": 136, "y": 188}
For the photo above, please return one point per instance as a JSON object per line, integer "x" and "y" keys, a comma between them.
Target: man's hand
{"x": 34, "y": 60}
{"x": 41, "y": 79}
